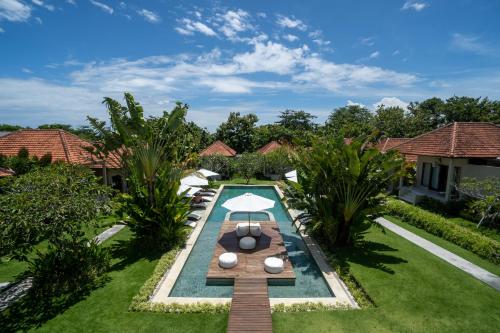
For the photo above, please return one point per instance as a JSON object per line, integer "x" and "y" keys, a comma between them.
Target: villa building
{"x": 218, "y": 148}
{"x": 66, "y": 147}
{"x": 448, "y": 154}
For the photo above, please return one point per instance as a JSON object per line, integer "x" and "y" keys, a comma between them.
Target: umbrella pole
{"x": 249, "y": 223}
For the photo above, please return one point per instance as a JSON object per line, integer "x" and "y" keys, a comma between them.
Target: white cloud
{"x": 27, "y": 70}
{"x": 270, "y": 57}
{"x": 290, "y": 37}
{"x": 14, "y": 11}
{"x": 149, "y": 16}
{"x": 42, "y": 4}
{"x": 234, "y": 22}
{"x": 414, "y": 5}
{"x": 102, "y": 6}
{"x": 189, "y": 27}
{"x": 1, "y": 30}
{"x": 351, "y": 103}
{"x": 395, "y": 52}
{"x": 368, "y": 41}
{"x": 391, "y": 102}
{"x": 71, "y": 2}
{"x": 291, "y": 23}
{"x": 374, "y": 55}
{"x": 469, "y": 43}
{"x": 39, "y": 20}
{"x": 317, "y": 38}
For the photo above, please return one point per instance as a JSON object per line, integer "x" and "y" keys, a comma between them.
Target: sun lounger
{"x": 211, "y": 190}
{"x": 206, "y": 199}
{"x": 191, "y": 224}
{"x": 194, "y": 217}
{"x": 199, "y": 205}
{"x": 206, "y": 194}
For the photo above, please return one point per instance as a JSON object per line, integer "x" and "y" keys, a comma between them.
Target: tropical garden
{"x": 50, "y": 214}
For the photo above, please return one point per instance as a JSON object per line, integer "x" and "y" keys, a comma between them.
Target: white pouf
{"x": 241, "y": 229}
{"x": 228, "y": 260}
{"x": 247, "y": 243}
{"x": 255, "y": 229}
{"x": 274, "y": 265}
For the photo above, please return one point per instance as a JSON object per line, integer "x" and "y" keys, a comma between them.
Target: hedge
{"x": 441, "y": 227}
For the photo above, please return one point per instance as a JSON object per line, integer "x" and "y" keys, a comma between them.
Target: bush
{"x": 440, "y": 226}
{"x": 451, "y": 208}
{"x": 72, "y": 267}
{"x": 221, "y": 164}
{"x": 276, "y": 162}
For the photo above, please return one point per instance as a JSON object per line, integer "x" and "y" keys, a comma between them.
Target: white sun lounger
{"x": 194, "y": 216}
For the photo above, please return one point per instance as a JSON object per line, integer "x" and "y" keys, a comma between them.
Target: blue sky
{"x": 59, "y": 58}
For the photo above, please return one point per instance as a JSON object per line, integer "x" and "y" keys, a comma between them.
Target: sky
{"x": 59, "y": 58}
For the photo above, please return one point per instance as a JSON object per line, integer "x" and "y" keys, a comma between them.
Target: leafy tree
{"x": 23, "y": 163}
{"x": 277, "y": 162}
{"x": 351, "y": 120}
{"x": 54, "y": 204}
{"x": 9, "y": 128}
{"x": 485, "y": 194}
{"x": 468, "y": 109}
{"x": 297, "y": 120}
{"x": 425, "y": 116}
{"x": 391, "y": 121}
{"x": 218, "y": 163}
{"x": 272, "y": 132}
{"x": 64, "y": 127}
{"x": 340, "y": 185}
{"x": 238, "y": 132}
{"x": 248, "y": 164}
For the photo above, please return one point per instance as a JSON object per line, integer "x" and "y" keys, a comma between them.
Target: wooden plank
{"x": 250, "y": 308}
{"x": 250, "y": 262}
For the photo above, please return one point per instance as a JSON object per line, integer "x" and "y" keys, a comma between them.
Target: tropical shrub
{"x": 54, "y": 204}
{"x": 441, "y": 227}
{"x": 248, "y": 165}
{"x": 341, "y": 185}
{"x": 221, "y": 164}
{"x": 485, "y": 194}
{"x": 276, "y": 162}
{"x": 23, "y": 163}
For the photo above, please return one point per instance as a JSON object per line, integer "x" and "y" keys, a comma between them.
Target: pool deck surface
{"x": 250, "y": 262}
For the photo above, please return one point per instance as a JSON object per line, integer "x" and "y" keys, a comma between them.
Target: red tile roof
{"x": 271, "y": 146}
{"x": 62, "y": 145}
{"x": 459, "y": 139}
{"x": 389, "y": 143}
{"x": 218, "y": 147}
{"x": 4, "y": 172}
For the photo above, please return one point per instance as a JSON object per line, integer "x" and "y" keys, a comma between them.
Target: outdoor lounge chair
{"x": 205, "y": 193}
{"x": 300, "y": 216}
{"x": 199, "y": 205}
{"x": 211, "y": 190}
{"x": 206, "y": 199}
{"x": 194, "y": 216}
{"x": 304, "y": 221}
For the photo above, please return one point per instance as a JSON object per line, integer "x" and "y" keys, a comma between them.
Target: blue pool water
{"x": 192, "y": 281}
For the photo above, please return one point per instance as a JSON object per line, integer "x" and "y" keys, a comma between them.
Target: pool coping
{"x": 342, "y": 296}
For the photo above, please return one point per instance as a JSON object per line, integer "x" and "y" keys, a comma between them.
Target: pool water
{"x": 254, "y": 216}
{"x": 191, "y": 282}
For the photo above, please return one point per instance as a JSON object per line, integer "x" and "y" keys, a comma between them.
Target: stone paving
{"x": 459, "y": 262}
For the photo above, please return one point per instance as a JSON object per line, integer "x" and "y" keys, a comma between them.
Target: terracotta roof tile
{"x": 271, "y": 146}
{"x": 62, "y": 145}
{"x": 218, "y": 147}
{"x": 459, "y": 139}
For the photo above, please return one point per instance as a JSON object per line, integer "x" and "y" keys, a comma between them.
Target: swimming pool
{"x": 192, "y": 280}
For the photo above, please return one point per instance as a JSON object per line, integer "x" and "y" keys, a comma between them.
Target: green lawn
{"x": 10, "y": 269}
{"x": 472, "y": 257}
{"x": 242, "y": 181}
{"x": 413, "y": 290}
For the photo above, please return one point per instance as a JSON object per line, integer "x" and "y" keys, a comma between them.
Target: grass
{"x": 242, "y": 181}
{"x": 10, "y": 269}
{"x": 483, "y": 229}
{"x": 475, "y": 259}
{"x": 413, "y": 291}
{"x": 106, "y": 308}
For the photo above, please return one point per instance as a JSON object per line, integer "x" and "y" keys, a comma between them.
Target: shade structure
{"x": 191, "y": 190}
{"x": 193, "y": 180}
{"x": 292, "y": 176}
{"x": 207, "y": 173}
{"x": 248, "y": 202}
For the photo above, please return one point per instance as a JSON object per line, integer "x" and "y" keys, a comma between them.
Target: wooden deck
{"x": 250, "y": 308}
{"x": 250, "y": 262}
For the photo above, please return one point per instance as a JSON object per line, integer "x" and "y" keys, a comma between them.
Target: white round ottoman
{"x": 247, "y": 243}
{"x": 273, "y": 265}
{"x": 228, "y": 260}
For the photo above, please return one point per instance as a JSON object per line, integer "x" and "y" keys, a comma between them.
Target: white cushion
{"x": 191, "y": 224}
{"x": 241, "y": 229}
{"x": 274, "y": 265}
{"x": 247, "y": 243}
{"x": 228, "y": 260}
{"x": 255, "y": 229}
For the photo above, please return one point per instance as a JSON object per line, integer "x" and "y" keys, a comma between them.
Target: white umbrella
{"x": 248, "y": 202}
{"x": 193, "y": 180}
{"x": 207, "y": 173}
{"x": 292, "y": 176}
{"x": 190, "y": 190}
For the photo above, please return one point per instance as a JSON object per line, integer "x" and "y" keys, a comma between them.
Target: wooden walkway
{"x": 250, "y": 262}
{"x": 250, "y": 308}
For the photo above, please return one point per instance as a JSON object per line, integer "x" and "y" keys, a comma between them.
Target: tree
{"x": 297, "y": 120}
{"x": 486, "y": 197}
{"x": 277, "y": 162}
{"x": 351, "y": 120}
{"x": 340, "y": 185}
{"x": 425, "y": 116}
{"x": 221, "y": 164}
{"x": 152, "y": 151}
{"x": 248, "y": 164}
{"x": 238, "y": 132}
{"x": 54, "y": 204}
{"x": 391, "y": 121}
{"x": 9, "y": 128}
{"x": 468, "y": 109}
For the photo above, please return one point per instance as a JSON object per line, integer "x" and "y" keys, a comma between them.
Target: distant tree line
{"x": 298, "y": 127}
